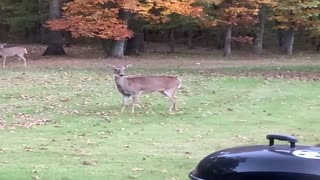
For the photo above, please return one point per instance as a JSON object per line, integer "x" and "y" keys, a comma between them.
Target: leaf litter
{"x": 89, "y": 163}
{"x": 22, "y": 120}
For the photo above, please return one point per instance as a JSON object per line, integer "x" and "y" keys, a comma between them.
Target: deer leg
{"x": 171, "y": 95}
{"x": 134, "y": 102}
{"x": 125, "y": 102}
{"x": 4, "y": 61}
{"x": 24, "y": 60}
{"x": 137, "y": 98}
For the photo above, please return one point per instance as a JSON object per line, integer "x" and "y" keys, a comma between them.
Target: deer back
{"x": 13, "y": 51}
{"x": 151, "y": 83}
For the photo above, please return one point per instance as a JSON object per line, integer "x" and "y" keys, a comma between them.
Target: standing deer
{"x": 133, "y": 87}
{"x": 11, "y": 52}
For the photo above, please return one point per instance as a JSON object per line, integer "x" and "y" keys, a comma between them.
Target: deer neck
{"x": 122, "y": 84}
{"x": 121, "y": 80}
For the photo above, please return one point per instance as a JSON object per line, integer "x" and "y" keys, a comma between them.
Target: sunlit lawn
{"x": 87, "y": 138}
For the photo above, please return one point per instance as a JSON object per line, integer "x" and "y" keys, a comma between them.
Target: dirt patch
{"x": 156, "y": 56}
{"x": 86, "y": 56}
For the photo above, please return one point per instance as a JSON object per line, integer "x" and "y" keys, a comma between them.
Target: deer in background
{"x": 133, "y": 87}
{"x": 11, "y": 52}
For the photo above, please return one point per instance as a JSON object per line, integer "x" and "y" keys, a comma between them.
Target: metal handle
{"x": 282, "y": 137}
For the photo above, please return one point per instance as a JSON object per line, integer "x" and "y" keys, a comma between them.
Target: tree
{"x": 160, "y": 11}
{"x": 315, "y": 34}
{"x": 93, "y": 18}
{"x": 260, "y": 28}
{"x": 106, "y": 19}
{"x": 168, "y": 16}
{"x": 135, "y": 44}
{"x": 23, "y": 16}
{"x": 232, "y": 13}
{"x": 170, "y": 27}
{"x": 291, "y": 16}
{"x": 54, "y": 38}
{"x": 237, "y": 13}
{"x": 258, "y": 41}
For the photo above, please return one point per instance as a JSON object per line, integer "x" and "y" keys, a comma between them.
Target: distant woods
{"x": 123, "y": 26}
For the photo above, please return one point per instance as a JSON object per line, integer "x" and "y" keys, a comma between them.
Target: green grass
{"x": 88, "y": 138}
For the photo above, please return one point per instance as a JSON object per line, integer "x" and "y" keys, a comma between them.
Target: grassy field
{"x": 64, "y": 123}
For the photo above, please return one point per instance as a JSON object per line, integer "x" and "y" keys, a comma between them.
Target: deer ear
{"x": 2, "y": 45}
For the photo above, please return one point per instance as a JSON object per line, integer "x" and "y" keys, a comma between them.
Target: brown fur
{"x": 134, "y": 86}
{"x": 11, "y": 52}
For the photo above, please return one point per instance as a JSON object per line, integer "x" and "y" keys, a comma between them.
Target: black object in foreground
{"x": 262, "y": 162}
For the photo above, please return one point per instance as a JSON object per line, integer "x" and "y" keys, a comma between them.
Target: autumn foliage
{"x": 101, "y": 18}
{"x": 235, "y": 13}
{"x": 159, "y": 11}
{"x": 94, "y": 18}
{"x": 239, "y": 12}
{"x": 294, "y": 14}
{"x": 105, "y": 18}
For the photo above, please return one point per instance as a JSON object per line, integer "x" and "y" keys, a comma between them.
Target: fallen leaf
{"x": 164, "y": 171}
{"x": 35, "y": 177}
{"x": 137, "y": 169}
{"x": 89, "y": 163}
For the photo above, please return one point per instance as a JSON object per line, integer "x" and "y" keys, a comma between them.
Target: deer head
{"x": 120, "y": 70}
{"x": 2, "y": 45}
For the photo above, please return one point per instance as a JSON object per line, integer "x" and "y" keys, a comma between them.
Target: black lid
{"x": 261, "y": 158}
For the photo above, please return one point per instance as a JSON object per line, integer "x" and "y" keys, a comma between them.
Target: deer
{"x": 133, "y": 87}
{"x": 11, "y": 52}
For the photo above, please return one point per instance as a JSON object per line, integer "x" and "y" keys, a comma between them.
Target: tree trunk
{"x": 117, "y": 48}
{"x": 54, "y": 39}
{"x": 287, "y": 40}
{"x": 280, "y": 37}
{"x": 190, "y": 38}
{"x": 227, "y": 41}
{"x": 38, "y": 35}
{"x": 33, "y": 34}
{"x": 135, "y": 45}
{"x": 171, "y": 40}
{"x": 27, "y": 34}
{"x": 219, "y": 38}
{"x": 258, "y": 43}
{"x": 42, "y": 20}
{"x": 67, "y": 36}
{"x": 43, "y": 34}
{"x": 106, "y": 45}
{"x": 316, "y": 43}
